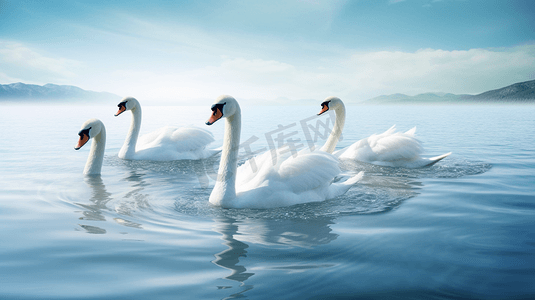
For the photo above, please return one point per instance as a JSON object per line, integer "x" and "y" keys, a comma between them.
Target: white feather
{"x": 390, "y": 148}
{"x": 271, "y": 179}
{"x": 95, "y": 131}
{"x": 164, "y": 144}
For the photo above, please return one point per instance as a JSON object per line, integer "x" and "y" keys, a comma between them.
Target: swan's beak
{"x": 324, "y": 108}
{"x": 216, "y": 115}
{"x": 83, "y": 139}
{"x": 121, "y": 110}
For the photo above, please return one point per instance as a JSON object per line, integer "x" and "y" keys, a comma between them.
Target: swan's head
{"x": 223, "y": 107}
{"x": 89, "y": 130}
{"x": 127, "y": 103}
{"x": 329, "y": 104}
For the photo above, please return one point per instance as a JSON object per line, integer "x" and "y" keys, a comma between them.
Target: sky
{"x": 182, "y": 52}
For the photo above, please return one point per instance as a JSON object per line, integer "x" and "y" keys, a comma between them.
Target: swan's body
{"x": 390, "y": 148}
{"x": 167, "y": 143}
{"x": 93, "y": 129}
{"x": 262, "y": 182}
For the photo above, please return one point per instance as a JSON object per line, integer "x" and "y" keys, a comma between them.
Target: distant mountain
{"x": 420, "y": 98}
{"x": 522, "y": 92}
{"x": 390, "y": 98}
{"x": 21, "y": 92}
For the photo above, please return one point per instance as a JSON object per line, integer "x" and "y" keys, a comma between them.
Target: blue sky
{"x": 186, "y": 51}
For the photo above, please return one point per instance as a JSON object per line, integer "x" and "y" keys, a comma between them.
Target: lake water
{"x": 463, "y": 228}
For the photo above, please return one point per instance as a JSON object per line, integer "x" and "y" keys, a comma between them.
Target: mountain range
{"x": 50, "y": 93}
{"x": 522, "y": 92}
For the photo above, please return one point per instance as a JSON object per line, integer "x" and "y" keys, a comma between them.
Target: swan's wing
{"x": 411, "y": 132}
{"x": 289, "y": 180}
{"x": 395, "y": 146}
{"x": 256, "y": 170}
{"x": 355, "y": 150}
{"x": 176, "y": 139}
{"x": 309, "y": 171}
{"x": 305, "y": 171}
{"x": 150, "y": 138}
{"x": 361, "y": 149}
{"x": 384, "y": 148}
{"x": 191, "y": 138}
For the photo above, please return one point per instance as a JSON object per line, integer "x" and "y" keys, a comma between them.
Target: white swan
{"x": 390, "y": 148}
{"x": 93, "y": 129}
{"x": 262, "y": 182}
{"x": 167, "y": 143}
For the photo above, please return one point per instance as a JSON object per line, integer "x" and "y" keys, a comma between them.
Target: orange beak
{"x": 83, "y": 139}
{"x": 324, "y": 108}
{"x": 121, "y": 110}
{"x": 216, "y": 115}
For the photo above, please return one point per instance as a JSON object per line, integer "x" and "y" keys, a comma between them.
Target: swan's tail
{"x": 434, "y": 160}
{"x": 212, "y": 152}
{"x": 351, "y": 181}
{"x": 339, "y": 188}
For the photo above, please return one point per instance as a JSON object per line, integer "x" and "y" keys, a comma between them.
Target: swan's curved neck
{"x": 93, "y": 165}
{"x": 330, "y": 144}
{"x": 225, "y": 187}
{"x": 129, "y": 146}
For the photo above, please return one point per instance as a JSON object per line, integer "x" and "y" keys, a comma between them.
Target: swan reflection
{"x": 134, "y": 198}
{"x": 101, "y": 199}
{"x": 230, "y": 257}
{"x": 238, "y": 234}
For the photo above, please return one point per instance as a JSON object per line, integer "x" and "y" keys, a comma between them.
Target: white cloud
{"x": 4, "y": 78}
{"x": 357, "y": 76}
{"x": 367, "y": 74}
{"x": 20, "y": 62}
{"x": 434, "y": 70}
{"x": 242, "y": 78}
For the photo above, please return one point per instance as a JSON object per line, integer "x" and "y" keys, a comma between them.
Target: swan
{"x": 287, "y": 181}
{"x": 164, "y": 144}
{"x": 93, "y": 129}
{"x": 390, "y": 148}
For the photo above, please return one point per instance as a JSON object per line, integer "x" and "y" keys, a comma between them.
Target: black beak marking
{"x": 215, "y": 108}
{"x": 326, "y": 103}
{"x": 84, "y": 131}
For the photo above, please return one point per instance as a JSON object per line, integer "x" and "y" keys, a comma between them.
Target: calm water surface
{"x": 464, "y": 228}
